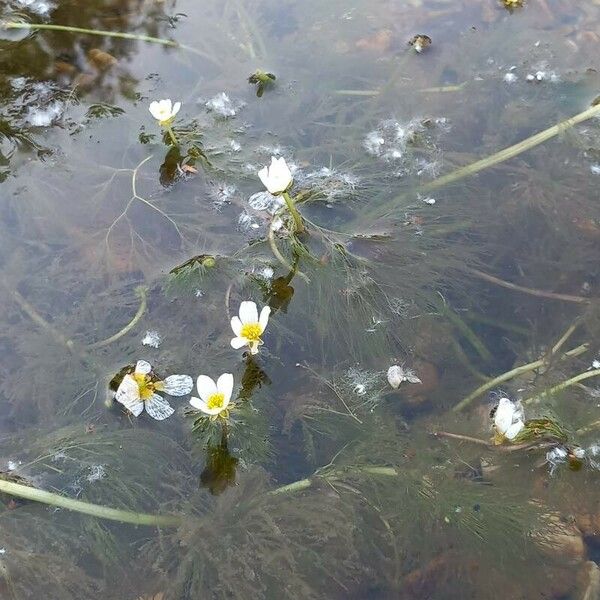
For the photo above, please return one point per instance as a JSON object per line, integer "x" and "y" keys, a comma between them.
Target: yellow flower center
{"x": 215, "y": 401}
{"x": 145, "y": 385}
{"x": 251, "y": 332}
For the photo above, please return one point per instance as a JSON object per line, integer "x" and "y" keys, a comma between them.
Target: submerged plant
{"x": 262, "y": 80}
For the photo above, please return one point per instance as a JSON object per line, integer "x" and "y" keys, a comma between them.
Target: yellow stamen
{"x": 215, "y": 401}
{"x": 251, "y": 332}
{"x": 145, "y": 385}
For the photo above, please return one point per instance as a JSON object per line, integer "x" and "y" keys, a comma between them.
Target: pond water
{"x": 122, "y": 240}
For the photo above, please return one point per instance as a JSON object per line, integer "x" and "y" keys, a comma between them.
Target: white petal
{"x": 155, "y": 110}
{"x": 225, "y": 387}
{"x": 143, "y": 367}
{"x": 200, "y": 405}
{"x": 166, "y": 106}
{"x": 514, "y": 430}
{"x": 236, "y": 325}
{"x": 503, "y": 418}
{"x": 395, "y": 376}
{"x": 248, "y": 312}
{"x": 412, "y": 378}
{"x": 176, "y": 108}
{"x": 178, "y": 385}
{"x": 264, "y": 317}
{"x": 264, "y": 176}
{"x": 158, "y": 408}
{"x": 238, "y": 342}
{"x": 128, "y": 394}
{"x": 206, "y": 387}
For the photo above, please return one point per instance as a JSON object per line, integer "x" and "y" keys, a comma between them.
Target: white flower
{"x": 164, "y": 110}
{"x": 277, "y": 178}
{"x": 138, "y": 391}
{"x": 509, "y": 418}
{"x": 396, "y": 375}
{"x": 248, "y": 327}
{"x": 214, "y": 397}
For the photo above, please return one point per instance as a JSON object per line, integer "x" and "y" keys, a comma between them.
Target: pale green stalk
{"x": 105, "y": 33}
{"x": 86, "y": 508}
{"x": 298, "y": 224}
{"x": 512, "y": 374}
{"x": 172, "y": 135}
{"x": 563, "y": 385}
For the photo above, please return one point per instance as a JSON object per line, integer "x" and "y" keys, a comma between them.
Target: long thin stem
{"x": 532, "y": 292}
{"x": 298, "y": 223}
{"x": 512, "y": 374}
{"x": 142, "y": 292}
{"x": 172, "y": 135}
{"x": 86, "y": 508}
{"x": 104, "y": 33}
{"x": 512, "y": 151}
{"x": 563, "y": 385}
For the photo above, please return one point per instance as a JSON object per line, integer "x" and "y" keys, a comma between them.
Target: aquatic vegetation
{"x": 396, "y": 375}
{"x": 138, "y": 391}
{"x": 248, "y": 327}
{"x": 262, "y": 80}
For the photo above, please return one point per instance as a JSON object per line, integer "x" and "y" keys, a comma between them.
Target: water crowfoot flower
{"x": 508, "y": 418}
{"x": 278, "y": 179}
{"x": 138, "y": 390}
{"x": 214, "y": 398}
{"x": 248, "y": 327}
{"x": 164, "y": 111}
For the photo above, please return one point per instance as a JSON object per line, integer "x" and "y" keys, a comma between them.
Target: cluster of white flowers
{"x": 139, "y": 390}
{"x": 509, "y": 418}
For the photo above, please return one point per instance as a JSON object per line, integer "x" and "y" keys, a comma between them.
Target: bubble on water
{"x": 224, "y": 106}
{"x": 264, "y": 201}
{"x": 198, "y": 293}
{"x": 222, "y": 194}
{"x": 152, "y": 339}
{"x": 543, "y": 75}
{"x": 96, "y": 473}
{"x": 247, "y": 223}
{"x": 411, "y": 146}
{"x": 595, "y": 169}
{"x": 44, "y": 116}
{"x": 510, "y": 77}
{"x": 12, "y": 465}
{"x": 330, "y": 183}
{"x": 39, "y": 7}
{"x": 235, "y": 146}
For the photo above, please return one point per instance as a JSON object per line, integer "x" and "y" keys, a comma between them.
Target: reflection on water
{"x": 326, "y": 481}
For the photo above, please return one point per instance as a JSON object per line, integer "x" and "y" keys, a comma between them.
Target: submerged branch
{"x": 532, "y": 366}
{"x": 86, "y": 508}
{"x": 512, "y": 151}
{"x": 563, "y": 385}
{"x": 525, "y": 290}
{"x": 103, "y": 33}
{"x": 142, "y": 292}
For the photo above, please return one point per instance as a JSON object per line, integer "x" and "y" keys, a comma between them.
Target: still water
{"x": 123, "y": 239}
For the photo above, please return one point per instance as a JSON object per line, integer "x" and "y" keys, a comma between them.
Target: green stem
{"x": 142, "y": 292}
{"x": 561, "y": 386}
{"x": 466, "y": 331}
{"x": 298, "y": 224}
{"x": 303, "y": 484}
{"x": 512, "y": 374}
{"x": 172, "y": 135}
{"x": 86, "y": 508}
{"x": 512, "y": 151}
{"x": 105, "y": 33}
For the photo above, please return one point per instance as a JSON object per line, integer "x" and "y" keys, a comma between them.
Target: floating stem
{"x": 86, "y": 508}
{"x": 563, "y": 385}
{"x": 172, "y": 135}
{"x": 142, "y": 292}
{"x": 512, "y": 374}
{"x": 103, "y": 33}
